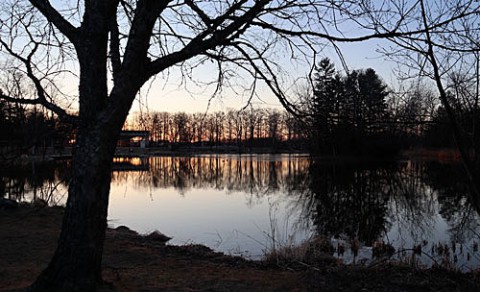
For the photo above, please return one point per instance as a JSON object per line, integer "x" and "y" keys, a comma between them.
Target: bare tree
{"x": 449, "y": 42}
{"x": 229, "y": 122}
{"x": 418, "y": 106}
{"x": 198, "y": 127}
{"x": 114, "y": 47}
{"x": 182, "y": 126}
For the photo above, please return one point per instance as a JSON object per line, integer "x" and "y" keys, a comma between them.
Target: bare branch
{"x": 271, "y": 80}
{"x": 146, "y": 13}
{"x": 60, "y": 112}
{"x": 53, "y": 16}
{"x": 42, "y": 95}
{"x": 209, "y": 39}
{"x": 203, "y": 16}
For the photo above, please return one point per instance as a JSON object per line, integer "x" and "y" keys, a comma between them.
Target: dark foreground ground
{"x": 137, "y": 263}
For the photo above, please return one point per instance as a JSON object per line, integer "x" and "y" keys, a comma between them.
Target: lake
{"x": 248, "y": 205}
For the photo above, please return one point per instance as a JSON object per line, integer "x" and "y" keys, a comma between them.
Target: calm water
{"x": 246, "y": 205}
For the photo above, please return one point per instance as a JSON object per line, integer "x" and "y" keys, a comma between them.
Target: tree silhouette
{"x": 115, "y": 47}
{"x": 324, "y": 104}
{"x": 345, "y": 111}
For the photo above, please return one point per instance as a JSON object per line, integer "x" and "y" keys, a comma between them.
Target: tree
{"x": 274, "y": 127}
{"x": 324, "y": 104}
{"x": 164, "y": 121}
{"x": 230, "y": 121}
{"x": 344, "y": 111}
{"x": 412, "y": 107}
{"x": 115, "y": 47}
{"x": 155, "y": 127}
{"x": 217, "y": 120}
{"x": 448, "y": 44}
{"x": 182, "y": 125}
{"x": 198, "y": 126}
{"x": 373, "y": 93}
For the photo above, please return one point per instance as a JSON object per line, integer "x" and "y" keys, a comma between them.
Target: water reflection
{"x": 414, "y": 206}
{"x": 254, "y": 174}
{"x": 404, "y": 203}
{"x": 35, "y": 180}
{"x": 350, "y": 200}
{"x": 246, "y": 204}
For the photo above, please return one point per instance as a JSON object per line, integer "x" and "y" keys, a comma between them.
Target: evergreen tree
{"x": 373, "y": 93}
{"x": 323, "y": 105}
{"x": 347, "y": 112}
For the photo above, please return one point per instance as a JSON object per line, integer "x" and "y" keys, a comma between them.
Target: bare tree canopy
{"x": 244, "y": 39}
{"x": 111, "y": 48}
{"x": 449, "y": 45}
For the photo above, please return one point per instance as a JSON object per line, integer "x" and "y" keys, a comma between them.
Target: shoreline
{"x": 443, "y": 154}
{"x": 134, "y": 262}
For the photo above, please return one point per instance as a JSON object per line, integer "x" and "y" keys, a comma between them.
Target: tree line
{"x": 355, "y": 113}
{"x": 254, "y": 127}
{"x": 30, "y": 129}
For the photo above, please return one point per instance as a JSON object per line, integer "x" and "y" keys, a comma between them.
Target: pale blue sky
{"x": 165, "y": 94}
{"x": 170, "y": 98}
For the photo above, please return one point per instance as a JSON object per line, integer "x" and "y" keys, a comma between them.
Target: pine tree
{"x": 372, "y": 92}
{"x": 323, "y": 105}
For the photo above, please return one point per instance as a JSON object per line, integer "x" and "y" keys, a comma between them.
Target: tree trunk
{"x": 76, "y": 264}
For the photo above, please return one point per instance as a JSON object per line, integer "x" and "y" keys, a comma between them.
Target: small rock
{"x": 157, "y": 236}
{"x": 125, "y": 230}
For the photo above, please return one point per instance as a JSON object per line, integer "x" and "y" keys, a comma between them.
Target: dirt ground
{"x": 135, "y": 263}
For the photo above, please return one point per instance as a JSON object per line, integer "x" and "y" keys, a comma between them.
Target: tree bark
{"x": 76, "y": 264}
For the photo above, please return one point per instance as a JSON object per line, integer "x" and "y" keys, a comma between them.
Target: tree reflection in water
{"x": 406, "y": 204}
{"x": 256, "y": 175}
{"x": 349, "y": 200}
{"x": 402, "y": 202}
{"x": 35, "y": 180}
{"x": 360, "y": 200}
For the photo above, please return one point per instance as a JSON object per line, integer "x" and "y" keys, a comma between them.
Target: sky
{"x": 173, "y": 98}
{"x": 168, "y": 94}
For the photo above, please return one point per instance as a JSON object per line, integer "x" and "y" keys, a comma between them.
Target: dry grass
{"x": 314, "y": 252}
